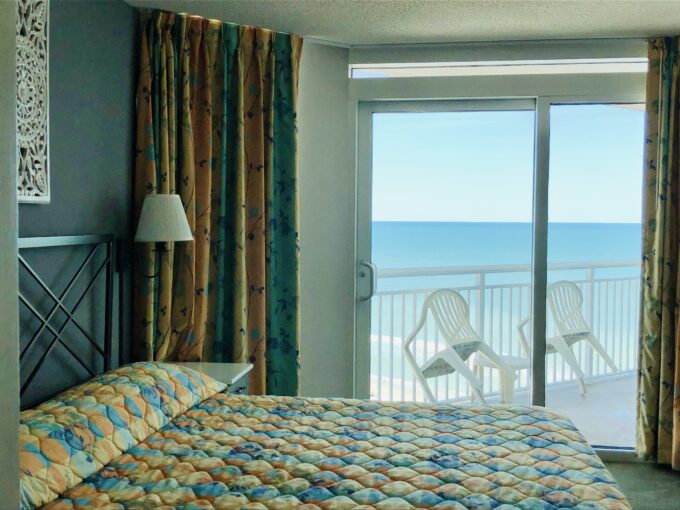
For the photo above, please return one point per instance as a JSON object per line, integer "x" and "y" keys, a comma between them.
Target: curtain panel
{"x": 216, "y": 124}
{"x": 658, "y": 431}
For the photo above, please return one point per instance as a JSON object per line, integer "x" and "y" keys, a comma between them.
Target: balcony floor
{"x": 605, "y": 416}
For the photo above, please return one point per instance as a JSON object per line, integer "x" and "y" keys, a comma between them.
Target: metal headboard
{"x": 105, "y": 266}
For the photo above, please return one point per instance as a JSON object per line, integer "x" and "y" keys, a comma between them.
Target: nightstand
{"x": 234, "y": 375}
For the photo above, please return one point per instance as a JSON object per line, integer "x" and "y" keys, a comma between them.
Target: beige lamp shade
{"x": 162, "y": 220}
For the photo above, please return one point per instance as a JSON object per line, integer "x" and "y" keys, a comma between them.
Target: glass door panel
{"x": 594, "y": 233}
{"x": 450, "y": 208}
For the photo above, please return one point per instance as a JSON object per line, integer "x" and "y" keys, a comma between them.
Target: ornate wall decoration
{"x": 32, "y": 101}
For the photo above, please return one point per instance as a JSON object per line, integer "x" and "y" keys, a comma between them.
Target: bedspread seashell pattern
{"x": 72, "y": 436}
{"x": 276, "y": 453}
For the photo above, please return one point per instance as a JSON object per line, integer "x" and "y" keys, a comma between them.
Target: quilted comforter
{"x": 274, "y": 453}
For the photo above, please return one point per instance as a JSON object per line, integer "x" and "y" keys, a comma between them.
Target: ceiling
{"x": 364, "y": 22}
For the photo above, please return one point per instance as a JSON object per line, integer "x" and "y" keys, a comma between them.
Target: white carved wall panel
{"x": 32, "y": 101}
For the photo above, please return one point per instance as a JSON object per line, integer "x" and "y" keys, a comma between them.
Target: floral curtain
{"x": 658, "y": 434}
{"x": 216, "y": 124}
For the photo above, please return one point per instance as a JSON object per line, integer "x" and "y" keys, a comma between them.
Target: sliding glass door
{"x": 528, "y": 213}
{"x": 594, "y": 234}
{"x": 447, "y": 205}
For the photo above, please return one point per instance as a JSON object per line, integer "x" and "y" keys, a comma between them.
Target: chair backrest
{"x": 566, "y": 301}
{"x": 451, "y": 314}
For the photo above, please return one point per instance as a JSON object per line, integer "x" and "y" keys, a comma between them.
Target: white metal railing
{"x": 499, "y": 297}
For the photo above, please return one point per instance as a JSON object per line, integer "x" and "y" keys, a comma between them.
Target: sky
{"x": 478, "y": 166}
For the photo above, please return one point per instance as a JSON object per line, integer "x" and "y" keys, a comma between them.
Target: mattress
{"x": 260, "y": 452}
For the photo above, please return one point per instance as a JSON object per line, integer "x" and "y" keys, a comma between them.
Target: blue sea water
{"x": 436, "y": 244}
{"x": 446, "y": 244}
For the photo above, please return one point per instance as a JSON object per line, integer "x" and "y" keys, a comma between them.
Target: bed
{"x": 157, "y": 435}
{"x": 154, "y": 435}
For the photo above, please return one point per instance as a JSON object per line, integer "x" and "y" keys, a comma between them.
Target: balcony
{"x": 499, "y": 297}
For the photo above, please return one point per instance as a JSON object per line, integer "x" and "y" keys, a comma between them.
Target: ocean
{"x": 399, "y": 244}
{"x": 448, "y": 244}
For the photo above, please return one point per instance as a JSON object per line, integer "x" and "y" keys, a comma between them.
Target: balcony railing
{"x": 499, "y": 297}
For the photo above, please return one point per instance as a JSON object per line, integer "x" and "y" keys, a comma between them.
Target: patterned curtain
{"x": 216, "y": 124}
{"x": 658, "y": 434}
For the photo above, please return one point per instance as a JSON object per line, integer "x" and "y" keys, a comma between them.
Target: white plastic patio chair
{"x": 451, "y": 314}
{"x": 566, "y": 302}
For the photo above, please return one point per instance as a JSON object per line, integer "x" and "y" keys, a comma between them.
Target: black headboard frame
{"x": 105, "y": 266}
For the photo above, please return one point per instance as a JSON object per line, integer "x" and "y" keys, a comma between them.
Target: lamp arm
{"x": 162, "y": 248}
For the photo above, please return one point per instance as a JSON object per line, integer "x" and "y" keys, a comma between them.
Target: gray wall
{"x": 326, "y": 183}
{"x": 93, "y": 47}
{"x": 9, "y": 370}
{"x": 93, "y": 69}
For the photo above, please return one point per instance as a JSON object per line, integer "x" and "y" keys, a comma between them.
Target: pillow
{"x": 70, "y": 437}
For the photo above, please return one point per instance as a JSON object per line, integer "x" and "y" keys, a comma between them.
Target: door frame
{"x": 363, "y": 205}
{"x": 364, "y": 191}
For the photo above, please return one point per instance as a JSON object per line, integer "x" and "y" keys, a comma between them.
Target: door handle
{"x": 372, "y": 272}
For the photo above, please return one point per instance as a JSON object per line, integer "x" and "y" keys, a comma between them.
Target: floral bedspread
{"x": 276, "y": 453}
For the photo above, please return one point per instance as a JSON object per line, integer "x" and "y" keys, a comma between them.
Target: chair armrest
{"x": 524, "y": 343}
